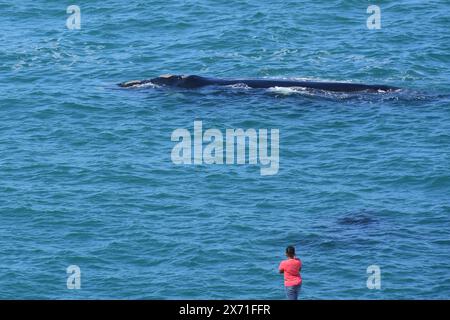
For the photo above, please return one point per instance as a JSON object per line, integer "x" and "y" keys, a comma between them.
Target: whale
{"x": 194, "y": 81}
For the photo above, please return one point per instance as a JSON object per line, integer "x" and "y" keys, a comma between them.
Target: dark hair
{"x": 290, "y": 251}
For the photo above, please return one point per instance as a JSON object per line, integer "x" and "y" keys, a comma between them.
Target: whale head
{"x": 168, "y": 80}
{"x": 190, "y": 81}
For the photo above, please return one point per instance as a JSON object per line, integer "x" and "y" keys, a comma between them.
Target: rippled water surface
{"x": 86, "y": 176}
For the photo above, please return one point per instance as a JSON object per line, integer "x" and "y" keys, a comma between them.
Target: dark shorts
{"x": 292, "y": 292}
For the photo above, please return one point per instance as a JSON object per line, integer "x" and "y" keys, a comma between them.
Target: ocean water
{"x": 86, "y": 176}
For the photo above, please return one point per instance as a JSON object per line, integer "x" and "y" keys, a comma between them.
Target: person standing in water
{"x": 291, "y": 268}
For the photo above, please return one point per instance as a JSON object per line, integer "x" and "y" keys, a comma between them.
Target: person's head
{"x": 290, "y": 252}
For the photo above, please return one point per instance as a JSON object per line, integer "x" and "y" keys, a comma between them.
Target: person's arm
{"x": 280, "y": 268}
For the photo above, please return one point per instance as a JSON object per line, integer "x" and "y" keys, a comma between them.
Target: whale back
{"x": 194, "y": 81}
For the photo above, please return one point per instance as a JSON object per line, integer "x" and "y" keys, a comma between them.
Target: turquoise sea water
{"x": 86, "y": 176}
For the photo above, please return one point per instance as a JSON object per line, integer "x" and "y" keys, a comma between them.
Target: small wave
{"x": 380, "y": 96}
{"x": 238, "y": 86}
{"x": 302, "y": 91}
{"x": 289, "y": 90}
{"x": 145, "y": 85}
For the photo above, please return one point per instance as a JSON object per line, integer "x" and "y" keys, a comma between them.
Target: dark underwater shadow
{"x": 358, "y": 218}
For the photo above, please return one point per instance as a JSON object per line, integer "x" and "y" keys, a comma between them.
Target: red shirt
{"x": 291, "y": 269}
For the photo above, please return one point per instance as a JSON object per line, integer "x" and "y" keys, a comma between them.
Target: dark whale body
{"x": 193, "y": 81}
